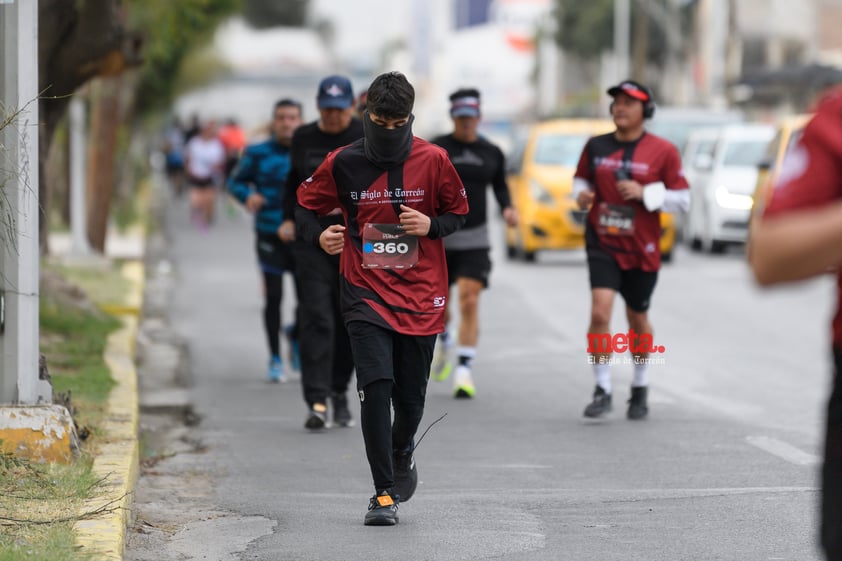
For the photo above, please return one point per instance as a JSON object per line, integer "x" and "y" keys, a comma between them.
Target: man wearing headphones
{"x": 626, "y": 178}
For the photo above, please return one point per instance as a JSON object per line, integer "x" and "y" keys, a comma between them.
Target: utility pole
{"x": 622, "y": 21}
{"x": 19, "y": 209}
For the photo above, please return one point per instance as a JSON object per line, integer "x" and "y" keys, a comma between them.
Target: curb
{"x": 117, "y": 462}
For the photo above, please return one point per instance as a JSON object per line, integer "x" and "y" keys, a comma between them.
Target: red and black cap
{"x": 632, "y": 89}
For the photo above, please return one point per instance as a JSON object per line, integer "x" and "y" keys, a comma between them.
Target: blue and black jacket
{"x": 263, "y": 169}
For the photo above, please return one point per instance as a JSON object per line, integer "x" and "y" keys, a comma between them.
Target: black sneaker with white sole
{"x": 317, "y": 417}
{"x": 600, "y": 405}
{"x": 405, "y": 473}
{"x": 382, "y": 509}
{"x": 638, "y": 408}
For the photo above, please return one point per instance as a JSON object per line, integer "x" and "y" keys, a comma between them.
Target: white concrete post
{"x": 19, "y": 249}
{"x": 78, "y": 207}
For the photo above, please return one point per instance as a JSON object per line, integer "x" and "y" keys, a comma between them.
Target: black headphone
{"x": 648, "y": 106}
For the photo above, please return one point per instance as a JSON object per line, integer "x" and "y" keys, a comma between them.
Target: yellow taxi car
{"x": 540, "y": 178}
{"x": 788, "y": 134}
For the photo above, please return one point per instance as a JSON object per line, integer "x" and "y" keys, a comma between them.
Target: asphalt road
{"x": 725, "y": 468}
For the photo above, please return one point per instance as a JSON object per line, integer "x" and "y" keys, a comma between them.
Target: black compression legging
{"x": 380, "y": 435}
{"x": 274, "y": 287}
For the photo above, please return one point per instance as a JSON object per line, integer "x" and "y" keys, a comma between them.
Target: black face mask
{"x": 384, "y": 147}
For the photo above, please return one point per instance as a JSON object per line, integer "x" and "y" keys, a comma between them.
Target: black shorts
{"x": 468, "y": 263}
{"x": 634, "y": 285}
{"x": 201, "y": 182}
{"x": 383, "y": 354}
{"x": 274, "y": 256}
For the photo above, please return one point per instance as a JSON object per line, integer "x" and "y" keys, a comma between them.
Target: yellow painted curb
{"x": 116, "y": 463}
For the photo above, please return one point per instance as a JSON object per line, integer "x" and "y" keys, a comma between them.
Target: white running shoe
{"x": 463, "y": 383}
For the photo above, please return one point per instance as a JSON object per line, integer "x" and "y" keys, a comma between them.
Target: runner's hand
{"x": 510, "y": 216}
{"x": 630, "y": 190}
{"x": 414, "y": 222}
{"x": 286, "y": 231}
{"x": 585, "y": 199}
{"x": 332, "y": 239}
{"x": 254, "y": 202}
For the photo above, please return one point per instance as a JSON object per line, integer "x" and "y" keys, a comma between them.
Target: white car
{"x": 721, "y": 166}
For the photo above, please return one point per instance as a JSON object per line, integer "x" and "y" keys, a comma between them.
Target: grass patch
{"x": 39, "y": 504}
{"x": 74, "y": 341}
{"x": 103, "y": 284}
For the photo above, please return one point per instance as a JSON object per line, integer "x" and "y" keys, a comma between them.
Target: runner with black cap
{"x": 626, "y": 178}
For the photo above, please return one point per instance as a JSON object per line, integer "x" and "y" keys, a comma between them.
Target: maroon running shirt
{"x": 652, "y": 159}
{"x": 404, "y": 285}
{"x": 811, "y": 176}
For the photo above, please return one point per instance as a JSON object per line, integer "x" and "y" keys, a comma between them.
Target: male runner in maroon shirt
{"x": 626, "y": 178}
{"x": 800, "y": 236}
{"x": 399, "y": 195}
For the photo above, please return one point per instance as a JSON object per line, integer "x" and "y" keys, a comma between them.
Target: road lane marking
{"x": 783, "y": 450}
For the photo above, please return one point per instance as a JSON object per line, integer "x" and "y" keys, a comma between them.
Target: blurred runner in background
{"x": 173, "y": 147}
{"x": 233, "y": 137}
{"x": 258, "y": 182}
{"x": 326, "y": 362}
{"x": 480, "y": 164}
{"x": 204, "y": 162}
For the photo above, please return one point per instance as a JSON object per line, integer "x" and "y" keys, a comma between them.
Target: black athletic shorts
{"x": 634, "y": 285}
{"x": 468, "y": 263}
{"x": 201, "y": 182}
{"x": 274, "y": 256}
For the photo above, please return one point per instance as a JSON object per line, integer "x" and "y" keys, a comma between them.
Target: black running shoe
{"x": 405, "y": 473}
{"x": 600, "y": 405}
{"x": 341, "y": 414}
{"x": 382, "y": 509}
{"x": 317, "y": 417}
{"x": 638, "y": 409}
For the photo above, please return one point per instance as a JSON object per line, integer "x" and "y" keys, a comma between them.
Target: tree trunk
{"x": 105, "y": 123}
{"x": 77, "y": 40}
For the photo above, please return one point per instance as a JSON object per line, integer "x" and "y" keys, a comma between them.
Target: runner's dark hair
{"x": 286, "y": 102}
{"x": 464, "y": 92}
{"x": 391, "y": 96}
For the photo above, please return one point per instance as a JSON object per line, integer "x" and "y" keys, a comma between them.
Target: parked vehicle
{"x": 541, "y": 183}
{"x": 788, "y": 134}
{"x": 676, "y": 124}
{"x": 724, "y": 175}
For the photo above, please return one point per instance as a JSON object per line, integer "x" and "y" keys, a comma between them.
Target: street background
{"x": 724, "y": 468}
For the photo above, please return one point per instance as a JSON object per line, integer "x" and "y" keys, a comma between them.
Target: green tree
{"x": 84, "y": 39}
{"x": 585, "y": 29}
{"x": 170, "y": 31}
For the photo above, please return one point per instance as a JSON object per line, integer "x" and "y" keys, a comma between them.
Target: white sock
{"x": 641, "y": 375}
{"x": 603, "y": 376}
{"x": 466, "y": 356}
{"x": 446, "y": 339}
